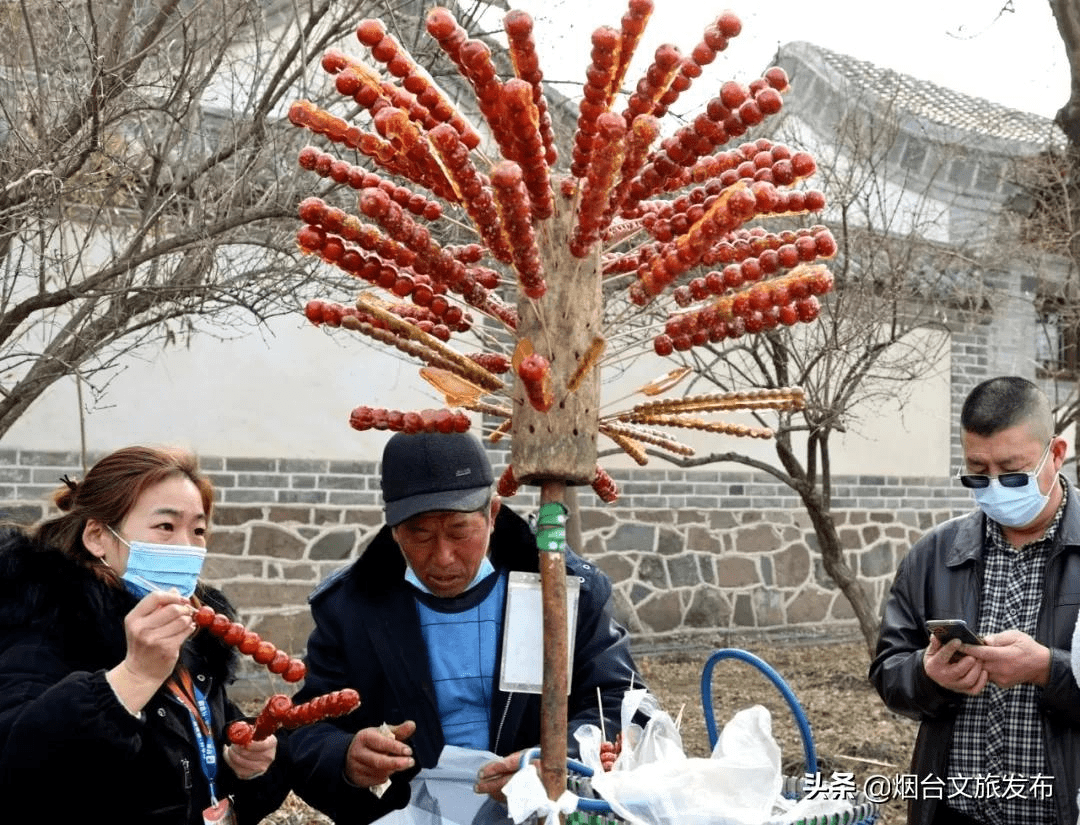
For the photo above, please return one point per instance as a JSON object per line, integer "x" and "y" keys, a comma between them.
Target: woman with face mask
{"x": 109, "y": 697}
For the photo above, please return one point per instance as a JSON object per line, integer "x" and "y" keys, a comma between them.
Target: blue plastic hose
{"x": 775, "y": 678}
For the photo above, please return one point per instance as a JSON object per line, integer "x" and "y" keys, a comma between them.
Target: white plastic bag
{"x": 740, "y": 783}
{"x": 653, "y": 782}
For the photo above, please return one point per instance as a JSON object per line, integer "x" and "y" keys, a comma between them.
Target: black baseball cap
{"x": 423, "y": 472}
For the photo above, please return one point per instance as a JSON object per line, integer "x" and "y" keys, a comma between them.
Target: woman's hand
{"x": 251, "y": 760}
{"x": 155, "y": 629}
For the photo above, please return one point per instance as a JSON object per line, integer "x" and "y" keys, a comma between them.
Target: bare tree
{"x": 148, "y": 176}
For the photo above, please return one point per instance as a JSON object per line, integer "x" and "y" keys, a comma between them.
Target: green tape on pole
{"x": 551, "y": 527}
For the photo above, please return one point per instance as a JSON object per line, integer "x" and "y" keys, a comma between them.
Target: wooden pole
{"x": 557, "y": 447}
{"x": 553, "y": 714}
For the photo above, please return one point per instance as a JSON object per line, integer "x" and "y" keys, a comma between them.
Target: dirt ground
{"x": 852, "y": 730}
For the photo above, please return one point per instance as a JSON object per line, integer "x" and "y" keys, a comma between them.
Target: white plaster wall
{"x": 288, "y": 394}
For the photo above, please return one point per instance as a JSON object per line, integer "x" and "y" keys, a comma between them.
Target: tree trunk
{"x": 832, "y": 556}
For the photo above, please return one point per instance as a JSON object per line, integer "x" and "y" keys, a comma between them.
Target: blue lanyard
{"x": 204, "y": 742}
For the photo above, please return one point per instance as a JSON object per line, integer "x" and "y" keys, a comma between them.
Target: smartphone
{"x": 948, "y": 629}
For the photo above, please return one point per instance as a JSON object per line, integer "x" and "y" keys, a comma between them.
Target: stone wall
{"x": 704, "y": 556}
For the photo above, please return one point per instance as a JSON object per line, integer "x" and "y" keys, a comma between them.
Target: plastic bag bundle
{"x": 653, "y": 782}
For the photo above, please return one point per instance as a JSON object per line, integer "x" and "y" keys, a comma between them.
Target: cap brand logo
{"x": 466, "y": 471}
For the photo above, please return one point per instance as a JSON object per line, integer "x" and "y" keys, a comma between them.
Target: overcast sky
{"x": 1011, "y": 55}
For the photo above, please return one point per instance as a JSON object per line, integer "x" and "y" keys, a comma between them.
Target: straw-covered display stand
{"x": 643, "y": 240}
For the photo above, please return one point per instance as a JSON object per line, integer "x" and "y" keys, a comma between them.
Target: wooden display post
{"x": 558, "y": 447}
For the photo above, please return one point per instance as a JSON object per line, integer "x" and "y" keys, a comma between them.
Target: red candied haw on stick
{"x": 508, "y": 485}
{"x": 250, "y": 643}
{"x": 219, "y": 625}
{"x": 269, "y": 720}
{"x": 280, "y": 663}
{"x": 240, "y": 733}
{"x": 264, "y": 653}
{"x": 295, "y": 672}
{"x": 604, "y": 486}
{"x": 535, "y": 373}
{"x": 234, "y": 634}
{"x": 204, "y": 615}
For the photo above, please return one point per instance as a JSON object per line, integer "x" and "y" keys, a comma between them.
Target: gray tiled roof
{"x": 937, "y": 104}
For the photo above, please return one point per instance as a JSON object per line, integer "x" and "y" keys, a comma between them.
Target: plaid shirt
{"x": 999, "y": 732}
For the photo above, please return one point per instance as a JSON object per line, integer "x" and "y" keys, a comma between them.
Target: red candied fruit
{"x": 370, "y": 31}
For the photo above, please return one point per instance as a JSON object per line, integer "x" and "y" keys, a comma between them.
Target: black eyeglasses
{"x": 978, "y": 482}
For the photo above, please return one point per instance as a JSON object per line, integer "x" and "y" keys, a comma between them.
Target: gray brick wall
{"x": 707, "y": 555}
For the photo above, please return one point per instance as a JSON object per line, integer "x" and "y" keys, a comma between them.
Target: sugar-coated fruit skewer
{"x": 249, "y": 643}
{"x": 280, "y": 712}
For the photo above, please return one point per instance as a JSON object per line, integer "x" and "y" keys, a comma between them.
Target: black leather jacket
{"x": 367, "y": 636}
{"x": 941, "y": 577}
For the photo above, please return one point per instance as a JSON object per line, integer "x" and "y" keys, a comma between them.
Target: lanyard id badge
{"x": 220, "y": 812}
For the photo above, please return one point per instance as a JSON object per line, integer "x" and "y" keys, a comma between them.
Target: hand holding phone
{"x": 948, "y": 629}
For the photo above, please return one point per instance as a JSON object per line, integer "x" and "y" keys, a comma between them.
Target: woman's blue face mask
{"x": 153, "y": 566}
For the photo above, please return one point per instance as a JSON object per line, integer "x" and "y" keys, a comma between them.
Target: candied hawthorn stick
{"x": 473, "y": 190}
{"x": 646, "y": 435}
{"x": 599, "y": 181}
{"x": 479, "y": 70}
{"x": 519, "y": 32}
{"x": 523, "y": 118}
{"x": 356, "y": 177}
{"x": 335, "y": 703}
{"x": 596, "y": 99}
{"x": 414, "y": 78}
{"x": 236, "y": 635}
{"x": 508, "y": 484}
{"x": 408, "y": 139}
{"x": 512, "y": 201}
{"x": 632, "y": 27}
{"x": 787, "y": 398}
{"x": 376, "y": 204}
{"x": 628, "y": 445}
{"x": 586, "y": 362}
{"x": 500, "y": 431}
{"x": 643, "y": 131}
{"x": 658, "y": 420}
{"x": 306, "y": 114}
{"x": 732, "y": 208}
{"x": 535, "y": 374}
{"x": 604, "y": 485}
{"x": 424, "y": 421}
{"x": 280, "y": 712}
{"x": 350, "y": 228}
{"x": 646, "y": 97}
{"x": 271, "y": 716}
{"x": 488, "y": 409}
{"x": 463, "y": 366}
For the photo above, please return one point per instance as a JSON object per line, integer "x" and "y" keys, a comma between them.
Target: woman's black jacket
{"x": 63, "y": 730}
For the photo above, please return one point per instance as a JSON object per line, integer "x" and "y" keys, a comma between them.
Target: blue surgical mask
{"x": 153, "y": 567}
{"x": 1012, "y": 506}
{"x": 486, "y": 569}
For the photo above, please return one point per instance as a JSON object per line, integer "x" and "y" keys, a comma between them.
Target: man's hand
{"x": 373, "y": 755}
{"x": 491, "y": 778}
{"x": 964, "y": 675}
{"x": 1012, "y": 658}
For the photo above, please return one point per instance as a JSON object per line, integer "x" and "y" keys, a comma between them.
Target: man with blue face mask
{"x": 1009, "y": 708}
{"x": 418, "y": 626}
